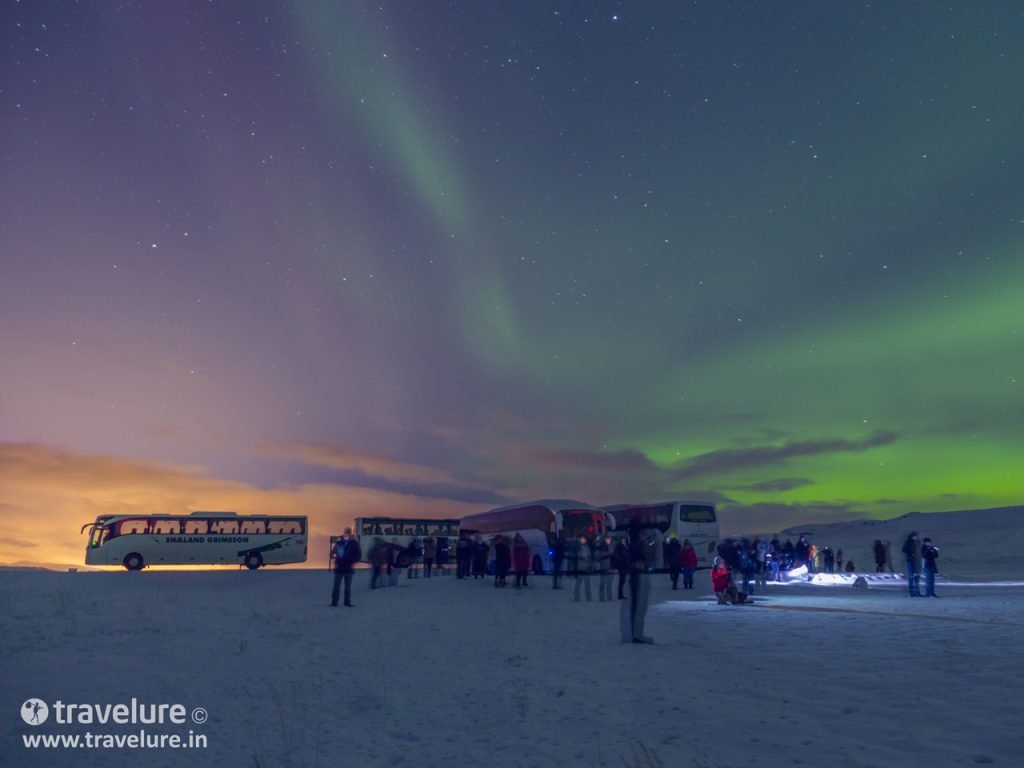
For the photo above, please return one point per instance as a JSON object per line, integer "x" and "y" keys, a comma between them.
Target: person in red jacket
{"x": 721, "y": 583}
{"x": 520, "y": 559}
{"x": 689, "y": 562}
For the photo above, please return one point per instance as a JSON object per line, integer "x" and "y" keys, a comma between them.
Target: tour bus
{"x": 693, "y": 520}
{"x": 539, "y": 523}
{"x": 399, "y": 532}
{"x": 201, "y": 538}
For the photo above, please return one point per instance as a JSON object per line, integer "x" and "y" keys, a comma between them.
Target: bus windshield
{"x": 577, "y": 523}
{"x": 694, "y": 513}
{"x": 659, "y": 516}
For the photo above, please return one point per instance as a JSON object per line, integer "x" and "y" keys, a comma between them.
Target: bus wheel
{"x": 538, "y": 566}
{"x": 253, "y": 560}
{"x": 133, "y": 561}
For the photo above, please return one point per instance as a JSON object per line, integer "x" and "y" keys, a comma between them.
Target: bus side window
{"x": 194, "y": 527}
{"x": 254, "y": 526}
{"x": 133, "y": 526}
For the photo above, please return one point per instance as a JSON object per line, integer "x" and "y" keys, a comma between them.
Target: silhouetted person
{"x": 879, "y": 552}
{"x": 639, "y": 585}
{"x": 463, "y": 557}
{"x": 688, "y": 560}
{"x": 520, "y": 559}
{"x": 584, "y": 565}
{"x": 929, "y": 554}
{"x": 502, "y": 561}
{"x": 558, "y": 557}
{"x": 674, "y": 559}
{"x": 429, "y": 555}
{"x": 911, "y": 555}
{"x": 480, "y": 552}
{"x": 346, "y": 555}
{"x": 620, "y": 562}
{"x": 602, "y": 565}
{"x": 378, "y": 559}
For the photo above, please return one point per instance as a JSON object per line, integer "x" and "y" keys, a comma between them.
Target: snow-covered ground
{"x": 443, "y": 672}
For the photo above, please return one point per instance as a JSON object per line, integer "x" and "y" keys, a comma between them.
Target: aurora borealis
{"x": 428, "y": 258}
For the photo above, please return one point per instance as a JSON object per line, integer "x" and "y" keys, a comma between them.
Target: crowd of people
{"x": 741, "y": 566}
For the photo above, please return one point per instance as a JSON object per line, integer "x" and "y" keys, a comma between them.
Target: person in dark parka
{"x": 502, "y": 561}
{"x": 346, "y": 555}
{"x": 674, "y": 559}
{"x": 620, "y": 562}
{"x": 911, "y": 555}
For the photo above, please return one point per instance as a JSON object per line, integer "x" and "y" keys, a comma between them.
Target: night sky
{"x": 347, "y": 258}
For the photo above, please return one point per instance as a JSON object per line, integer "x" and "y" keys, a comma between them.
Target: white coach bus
{"x": 539, "y": 522}
{"x": 201, "y": 538}
{"x": 693, "y": 520}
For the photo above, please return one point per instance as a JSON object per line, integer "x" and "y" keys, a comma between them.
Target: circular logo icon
{"x": 199, "y": 715}
{"x": 35, "y": 711}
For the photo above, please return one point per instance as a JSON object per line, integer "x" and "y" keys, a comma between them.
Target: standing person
{"x": 775, "y": 558}
{"x": 441, "y": 559}
{"x": 463, "y": 556}
{"x": 802, "y": 552}
{"x": 395, "y": 561}
{"x": 502, "y": 561}
{"x": 929, "y": 554}
{"x": 634, "y": 612}
{"x": 879, "y": 551}
{"x": 480, "y": 552}
{"x": 688, "y": 560}
{"x": 429, "y": 555}
{"x": 888, "y": 554}
{"x": 828, "y": 557}
{"x": 747, "y": 566}
{"x": 415, "y": 552}
{"x": 760, "y": 547}
{"x": 674, "y": 559}
{"x": 346, "y": 555}
{"x": 912, "y": 554}
{"x": 839, "y": 561}
{"x": 602, "y": 564}
{"x": 378, "y": 559}
{"x": 620, "y": 562}
{"x": 788, "y": 555}
{"x": 520, "y": 559}
{"x": 815, "y": 559}
{"x": 584, "y": 566}
{"x": 558, "y": 556}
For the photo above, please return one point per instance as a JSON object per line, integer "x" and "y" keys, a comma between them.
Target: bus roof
{"x": 381, "y": 519}
{"x": 555, "y": 505}
{"x": 115, "y": 518}
{"x": 543, "y": 511}
{"x": 620, "y": 507}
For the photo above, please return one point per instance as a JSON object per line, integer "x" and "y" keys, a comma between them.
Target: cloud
{"x": 335, "y": 456}
{"x": 626, "y": 460}
{"x": 50, "y": 492}
{"x": 734, "y": 459}
{"x": 773, "y": 486}
{"x": 19, "y": 543}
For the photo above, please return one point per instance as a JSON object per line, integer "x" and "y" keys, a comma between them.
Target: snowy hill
{"x": 973, "y": 544}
